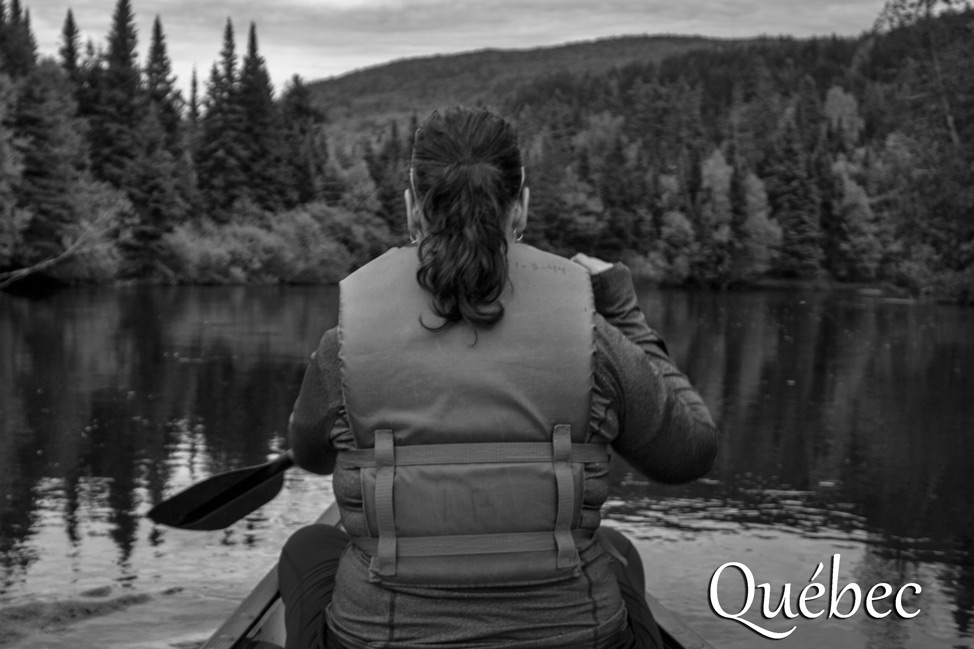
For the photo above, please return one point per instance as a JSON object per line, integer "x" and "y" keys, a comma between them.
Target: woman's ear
{"x": 519, "y": 222}
{"x": 413, "y": 216}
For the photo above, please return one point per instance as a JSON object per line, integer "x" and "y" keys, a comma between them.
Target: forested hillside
{"x": 700, "y": 161}
{"x": 414, "y": 85}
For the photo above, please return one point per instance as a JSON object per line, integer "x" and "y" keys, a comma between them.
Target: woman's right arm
{"x": 665, "y": 429}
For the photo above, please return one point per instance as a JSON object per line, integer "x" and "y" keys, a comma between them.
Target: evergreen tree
{"x": 261, "y": 163}
{"x": 194, "y": 99}
{"x": 160, "y": 89}
{"x": 795, "y": 206}
{"x": 54, "y": 159}
{"x": 12, "y": 219}
{"x": 18, "y": 47}
{"x": 70, "y": 44}
{"x": 389, "y": 166}
{"x": 117, "y": 117}
{"x": 157, "y": 198}
{"x": 221, "y": 155}
{"x": 161, "y": 171}
{"x": 90, "y": 87}
{"x": 193, "y": 116}
{"x": 809, "y": 116}
{"x": 307, "y": 174}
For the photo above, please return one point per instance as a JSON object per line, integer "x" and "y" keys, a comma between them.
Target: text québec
{"x": 876, "y": 603}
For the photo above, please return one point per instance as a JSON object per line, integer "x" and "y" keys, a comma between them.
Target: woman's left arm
{"x": 316, "y": 409}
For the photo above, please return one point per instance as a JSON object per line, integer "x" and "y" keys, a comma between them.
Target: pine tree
{"x": 18, "y": 47}
{"x": 809, "y": 115}
{"x": 389, "y": 167}
{"x": 305, "y": 149}
{"x": 795, "y": 206}
{"x": 156, "y": 195}
{"x": 220, "y": 157}
{"x": 91, "y": 86}
{"x": 119, "y": 113}
{"x": 192, "y": 121}
{"x": 69, "y": 51}
{"x": 262, "y": 166}
{"x": 12, "y": 219}
{"x": 160, "y": 89}
{"x": 194, "y": 101}
{"x": 54, "y": 159}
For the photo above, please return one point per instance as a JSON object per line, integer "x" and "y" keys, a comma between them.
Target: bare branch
{"x": 9, "y": 277}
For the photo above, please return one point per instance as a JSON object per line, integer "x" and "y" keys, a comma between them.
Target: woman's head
{"x": 467, "y": 202}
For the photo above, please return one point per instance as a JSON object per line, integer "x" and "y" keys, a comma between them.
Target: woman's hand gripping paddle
{"x": 223, "y": 499}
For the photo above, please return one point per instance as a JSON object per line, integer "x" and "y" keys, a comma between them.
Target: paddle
{"x": 223, "y": 499}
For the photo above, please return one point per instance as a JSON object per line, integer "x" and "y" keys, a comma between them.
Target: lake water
{"x": 847, "y": 428}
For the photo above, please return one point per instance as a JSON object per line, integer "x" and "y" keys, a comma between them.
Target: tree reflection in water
{"x": 842, "y": 417}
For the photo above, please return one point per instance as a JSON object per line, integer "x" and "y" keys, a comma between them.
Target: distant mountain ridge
{"x": 416, "y": 85}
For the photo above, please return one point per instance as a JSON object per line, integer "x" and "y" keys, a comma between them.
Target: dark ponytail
{"x": 466, "y": 176}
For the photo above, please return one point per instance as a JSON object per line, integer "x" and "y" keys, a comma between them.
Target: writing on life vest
{"x": 875, "y": 601}
{"x": 554, "y": 268}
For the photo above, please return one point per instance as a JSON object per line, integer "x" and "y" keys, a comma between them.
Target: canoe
{"x": 258, "y": 623}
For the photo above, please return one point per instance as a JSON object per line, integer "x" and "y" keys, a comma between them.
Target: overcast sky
{"x": 322, "y": 38}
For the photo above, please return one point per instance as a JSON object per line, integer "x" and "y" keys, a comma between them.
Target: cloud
{"x": 318, "y": 38}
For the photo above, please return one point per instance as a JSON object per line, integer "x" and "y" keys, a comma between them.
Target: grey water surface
{"x": 847, "y": 435}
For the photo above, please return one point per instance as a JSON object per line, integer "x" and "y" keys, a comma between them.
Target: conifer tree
{"x": 157, "y": 198}
{"x": 220, "y": 157}
{"x": 809, "y": 115}
{"x": 160, "y": 88}
{"x": 795, "y": 205}
{"x": 91, "y": 70}
{"x": 262, "y": 167}
{"x": 389, "y": 167}
{"x": 118, "y": 107}
{"x": 305, "y": 149}
{"x": 12, "y": 219}
{"x": 18, "y": 47}
{"x": 70, "y": 43}
{"x": 192, "y": 119}
{"x": 194, "y": 100}
{"x": 54, "y": 159}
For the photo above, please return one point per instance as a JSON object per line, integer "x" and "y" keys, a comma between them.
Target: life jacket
{"x": 470, "y": 443}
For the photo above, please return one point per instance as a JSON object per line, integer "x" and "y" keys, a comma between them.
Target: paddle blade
{"x": 223, "y": 499}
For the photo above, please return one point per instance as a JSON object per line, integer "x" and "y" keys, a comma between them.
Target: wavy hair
{"x": 466, "y": 175}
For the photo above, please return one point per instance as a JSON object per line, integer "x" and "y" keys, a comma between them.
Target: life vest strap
{"x": 476, "y": 453}
{"x": 384, "y": 558}
{"x": 458, "y": 545}
{"x": 386, "y": 456}
{"x": 561, "y": 444}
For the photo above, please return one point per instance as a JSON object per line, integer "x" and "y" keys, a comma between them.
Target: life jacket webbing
{"x": 385, "y": 457}
{"x": 561, "y": 442}
{"x": 475, "y": 453}
{"x": 458, "y": 545}
{"x": 384, "y": 560}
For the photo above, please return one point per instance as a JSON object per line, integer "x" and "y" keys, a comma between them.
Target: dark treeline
{"x": 108, "y": 172}
{"x": 844, "y": 159}
{"x": 821, "y": 159}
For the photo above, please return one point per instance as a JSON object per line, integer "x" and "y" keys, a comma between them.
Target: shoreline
{"x": 43, "y": 286}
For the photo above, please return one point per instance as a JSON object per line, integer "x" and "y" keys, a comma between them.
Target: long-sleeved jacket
{"x": 640, "y": 403}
